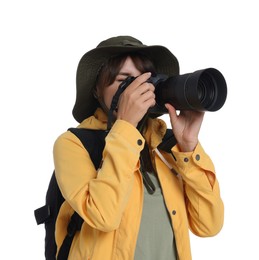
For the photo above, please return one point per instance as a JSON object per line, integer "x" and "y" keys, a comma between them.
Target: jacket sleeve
{"x": 100, "y": 197}
{"x": 205, "y": 208}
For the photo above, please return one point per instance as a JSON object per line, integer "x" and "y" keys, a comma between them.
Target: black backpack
{"x": 93, "y": 141}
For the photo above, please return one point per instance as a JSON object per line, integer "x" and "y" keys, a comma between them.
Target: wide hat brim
{"x": 89, "y": 65}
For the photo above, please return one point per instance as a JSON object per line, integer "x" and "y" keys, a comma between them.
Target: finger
{"x": 148, "y": 96}
{"x": 145, "y": 87}
{"x": 171, "y": 111}
{"x": 138, "y": 87}
{"x": 139, "y": 80}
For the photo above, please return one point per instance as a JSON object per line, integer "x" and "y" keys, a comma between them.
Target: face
{"x": 127, "y": 69}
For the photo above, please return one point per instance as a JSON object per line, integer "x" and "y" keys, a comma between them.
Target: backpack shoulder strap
{"x": 93, "y": 141}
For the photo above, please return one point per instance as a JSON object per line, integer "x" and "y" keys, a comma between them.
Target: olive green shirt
{"x": 156, "y": 237}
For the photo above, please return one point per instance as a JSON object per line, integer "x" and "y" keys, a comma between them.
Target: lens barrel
{"x": 202, "y": 90}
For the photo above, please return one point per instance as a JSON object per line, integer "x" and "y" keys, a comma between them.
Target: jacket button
{"x": 139, "y": 142}
{"x": 174, "y": 212}
{"x": 197, "y": 157}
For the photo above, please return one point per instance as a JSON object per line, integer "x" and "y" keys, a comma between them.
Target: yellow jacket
{"x": 110, "y": 199}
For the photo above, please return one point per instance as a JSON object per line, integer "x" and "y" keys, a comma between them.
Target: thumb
{"x": 172, "y": 112}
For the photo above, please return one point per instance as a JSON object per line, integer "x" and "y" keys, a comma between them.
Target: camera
{"x": 202, "y": 90}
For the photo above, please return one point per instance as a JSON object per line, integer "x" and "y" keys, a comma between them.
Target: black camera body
{"x": 202, "y": 90}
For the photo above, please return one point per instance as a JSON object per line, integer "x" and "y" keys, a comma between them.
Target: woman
{"x": 123, "y": 218}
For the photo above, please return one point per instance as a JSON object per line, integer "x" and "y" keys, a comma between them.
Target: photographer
{"x": 142, "y": 201}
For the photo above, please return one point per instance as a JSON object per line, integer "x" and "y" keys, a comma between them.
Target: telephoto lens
{"x": 202, "y": 90}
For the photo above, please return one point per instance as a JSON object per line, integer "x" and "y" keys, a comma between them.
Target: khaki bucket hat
{"x": 91, "y": 62}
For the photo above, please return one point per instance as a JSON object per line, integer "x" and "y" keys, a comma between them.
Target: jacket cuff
{"x": 187, "y": 160}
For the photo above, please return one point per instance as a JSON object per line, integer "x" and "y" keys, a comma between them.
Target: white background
{"x": 41, "y": 44}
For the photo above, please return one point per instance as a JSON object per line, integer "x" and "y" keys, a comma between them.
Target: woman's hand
{"x": 136, "y": 99}
{"x": 186, "y": 127}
